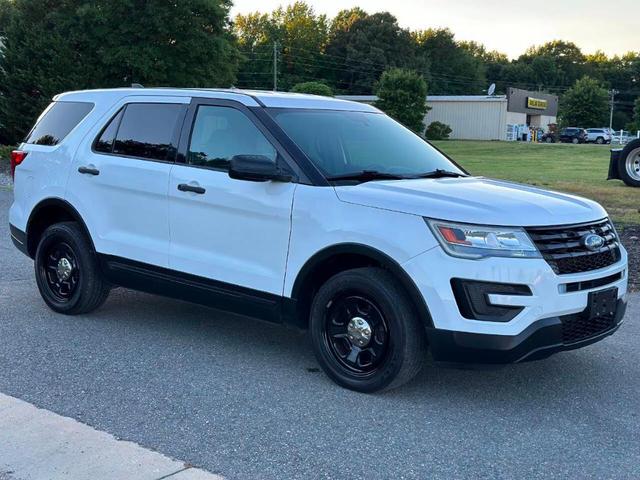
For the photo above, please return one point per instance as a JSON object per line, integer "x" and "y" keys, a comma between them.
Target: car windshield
{"x": 343, "y": 142}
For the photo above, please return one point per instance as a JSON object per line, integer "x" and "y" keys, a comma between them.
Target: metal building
{"x": 482, "y": 117}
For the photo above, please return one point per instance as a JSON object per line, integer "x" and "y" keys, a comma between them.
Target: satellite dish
{"x": 492, "y": 89}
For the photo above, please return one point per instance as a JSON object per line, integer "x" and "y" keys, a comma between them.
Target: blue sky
{"x": 508, "y": 26}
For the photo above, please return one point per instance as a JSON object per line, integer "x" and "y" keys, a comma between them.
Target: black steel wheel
{"x": 60, "y": 269}
{"x": 356, "y": 333}
{"x": 67, "y": 271}
{"x": 365, "y": 332}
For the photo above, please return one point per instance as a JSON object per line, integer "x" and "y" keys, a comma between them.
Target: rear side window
{"x": 57, "y": 121}
{"x": 144, "y": 130}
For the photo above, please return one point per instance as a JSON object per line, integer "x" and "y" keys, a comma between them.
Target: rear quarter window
{"x": 57, "y": 121}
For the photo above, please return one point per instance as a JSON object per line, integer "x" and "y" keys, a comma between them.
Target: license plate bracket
{"x": 603, "y": 303}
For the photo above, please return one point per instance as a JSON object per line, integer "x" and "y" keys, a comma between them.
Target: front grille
{"x": 579, "y": 327}
{"x": 563, "y": 250}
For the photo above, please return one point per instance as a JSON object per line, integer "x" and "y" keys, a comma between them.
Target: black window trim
{"x": 46, "y": 110}
{"x": 174, "y": 139}
{"x": 283, "y": 157}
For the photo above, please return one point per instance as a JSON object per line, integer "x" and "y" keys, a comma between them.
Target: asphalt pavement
{"x": 246, "y": 399}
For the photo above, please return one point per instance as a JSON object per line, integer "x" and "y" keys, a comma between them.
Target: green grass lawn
{"x": 577, "y": 169}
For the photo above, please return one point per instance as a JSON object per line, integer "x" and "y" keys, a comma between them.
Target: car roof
{"x": 250, "y": 98}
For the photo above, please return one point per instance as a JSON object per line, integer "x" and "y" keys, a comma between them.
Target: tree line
{"x": 49, "y": 46}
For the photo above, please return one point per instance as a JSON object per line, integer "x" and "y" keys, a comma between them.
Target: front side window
{"x": 57, "y": 121}
{"x": 340, "y": 142}
{"x": 220, "y": 133}
{"x": 148, "y": 130}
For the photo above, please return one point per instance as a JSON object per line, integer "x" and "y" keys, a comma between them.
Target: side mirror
{"x": 256, "y": 168}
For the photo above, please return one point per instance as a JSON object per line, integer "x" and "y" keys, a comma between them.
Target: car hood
{"x": 474, "y": 200}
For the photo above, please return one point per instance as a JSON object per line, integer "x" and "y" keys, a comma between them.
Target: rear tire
{"x": 629, "y": 164}
{"x": 67, "y": 271}
{"x": 365, "y": 333}
{"x": 599, "y": 140}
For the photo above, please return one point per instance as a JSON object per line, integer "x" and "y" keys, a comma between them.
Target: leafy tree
{"x": 438, "y": 131}
{"x": 299, "y": 35}
{"x": 559, "y": 63}
{"x": 453, "y": 69}
{"x": 634, "y": 125}
{"x": 494, "y": 63}
{"x": 313, "y": 88}
{"x": 402, "y": 94}
{"x": 100, "y": 43}
{"x": 585, "y": 104}
{"x": 362, "y": 46}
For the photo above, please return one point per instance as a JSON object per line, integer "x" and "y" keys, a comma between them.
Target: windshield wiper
{"x": 440, "y": 173}
{"x": 366, "y": 175}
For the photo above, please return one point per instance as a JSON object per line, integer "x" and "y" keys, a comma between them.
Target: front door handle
{"x": 89, "y": 170}
{"x": 185, "y": 187}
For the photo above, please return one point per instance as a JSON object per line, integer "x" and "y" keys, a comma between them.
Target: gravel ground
{"x": 630, "y": 236}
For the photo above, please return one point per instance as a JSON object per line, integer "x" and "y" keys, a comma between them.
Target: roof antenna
{"x": 136, "y": 85}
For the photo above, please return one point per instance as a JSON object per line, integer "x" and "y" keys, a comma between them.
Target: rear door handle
{"x": 89, "y": 170}
{"x": 185, "y": 187}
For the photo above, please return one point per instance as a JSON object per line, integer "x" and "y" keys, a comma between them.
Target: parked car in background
{"x": 598, "y": 135}
{"x": 573, "y": 135}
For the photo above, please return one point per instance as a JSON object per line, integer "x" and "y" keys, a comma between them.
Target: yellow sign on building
{"x": 537, "y": 103}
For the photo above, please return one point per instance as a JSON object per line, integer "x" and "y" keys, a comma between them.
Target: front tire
{"x": 575, "y": 141}
{"x": 365, "y": 332}
{"x": 599, "y": 140}
{"x": 67, "y": 271}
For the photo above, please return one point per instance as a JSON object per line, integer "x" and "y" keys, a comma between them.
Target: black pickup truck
{"x": 625, "y": 164}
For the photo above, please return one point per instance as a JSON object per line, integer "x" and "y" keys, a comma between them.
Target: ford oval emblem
{"x": 592, "y": 242}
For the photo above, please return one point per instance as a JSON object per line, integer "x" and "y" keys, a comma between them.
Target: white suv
{"x": 598, "y": 135}
{"x": 314, "y": 212}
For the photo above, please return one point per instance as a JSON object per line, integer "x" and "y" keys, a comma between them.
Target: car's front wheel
{"x": 365, "y": 333}
{"x": 599, "y": 140}
{"x": 575, "y": 141}
{"x": 67, "y": 271}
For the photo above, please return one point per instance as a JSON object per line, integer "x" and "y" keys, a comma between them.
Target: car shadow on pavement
{"x": 240, "y": 343}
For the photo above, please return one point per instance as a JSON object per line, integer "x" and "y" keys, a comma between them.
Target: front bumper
{"x": 535, "y": 332}
{"x": 540, "y": 340}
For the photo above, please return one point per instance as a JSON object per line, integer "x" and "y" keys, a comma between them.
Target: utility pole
{"x": 613, "y": 94}
{"x": 275, "y": 66}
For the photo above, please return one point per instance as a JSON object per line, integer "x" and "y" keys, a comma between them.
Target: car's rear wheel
{"x": 67, "y": 271}
{"x": 599, "y": 140}
{"x": 365, "y": 333}
{"x": 548, "y": 140}
{"x": 629, "y": 164}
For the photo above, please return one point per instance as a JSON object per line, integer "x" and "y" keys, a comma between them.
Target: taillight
{"x": 17, "y": 156}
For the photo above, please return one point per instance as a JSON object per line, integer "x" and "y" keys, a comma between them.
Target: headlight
{"x": 478, "y": 241}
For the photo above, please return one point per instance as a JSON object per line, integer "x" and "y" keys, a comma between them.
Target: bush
{"x": 5, "y": 152}
{"x": 313, "y": 88}
{"x": 402, "y": 94}
{"x": 438, "y": 131}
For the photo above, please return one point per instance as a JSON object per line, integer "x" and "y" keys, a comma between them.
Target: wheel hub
{"x": 633, "y": 164}
{"x": 64, "y": 268}
{"x": 359, "y": 331}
